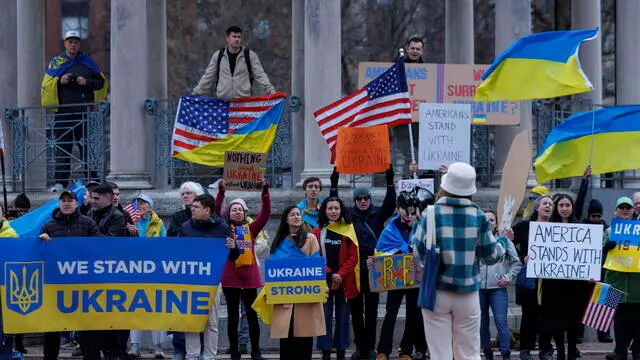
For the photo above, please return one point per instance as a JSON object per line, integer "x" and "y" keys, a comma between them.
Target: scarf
{"x": 346, "y": 230}
{"x": 6, "y": 231}
{"x": 242, "y": 235}
{"x": 391, "y": 240}
{"x": 154, "y": 227}
{"x": 309, "y": 216}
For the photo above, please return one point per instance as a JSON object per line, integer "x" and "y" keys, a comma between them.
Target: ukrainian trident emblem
{"x": 24, "y": 294}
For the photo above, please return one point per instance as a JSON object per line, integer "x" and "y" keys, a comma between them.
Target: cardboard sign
{"x": 410, "y": 184}
{"x": 244, "y": 171}
{"x": 564, "y": 251}
{"x": 363, "y": 150}
{"x": 626, "y": 256}
{"x": 447, "y": 83}
{"x": 295, "y": 280}
{"x": 514, "y": 179}
{"x": 445, "y": 135}
{"x": 394, "y": 272}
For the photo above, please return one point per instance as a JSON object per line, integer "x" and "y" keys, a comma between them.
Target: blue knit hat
{"x": 361, "y": 191}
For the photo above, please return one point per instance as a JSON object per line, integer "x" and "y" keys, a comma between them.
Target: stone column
{"x": 459, "y": 42}
{"x": 585, "y": 14}
{"x": 9, "y": 79}
{"x": 627, "y": 60}
{"x": 129, "y": 89}
{"x": 322, "y": 79}
{"x": 31, "y": 66}
{"x": 513, "y": 21}
{"x": 297, "y": 88}
{"x": 157, "y": 77}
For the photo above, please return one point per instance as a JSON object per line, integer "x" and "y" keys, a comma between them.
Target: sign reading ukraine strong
{"x": 625, "y": 257}
{"x": 295, "y": 280}
{"x": 109, "y": 283}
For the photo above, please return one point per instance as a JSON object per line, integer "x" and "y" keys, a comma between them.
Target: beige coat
{"x": 236, "y": 85}
{"x": 308, "y": 319}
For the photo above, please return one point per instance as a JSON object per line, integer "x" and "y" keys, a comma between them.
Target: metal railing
{"x": 279, "y": 162}
{"x": 55, "y": 147}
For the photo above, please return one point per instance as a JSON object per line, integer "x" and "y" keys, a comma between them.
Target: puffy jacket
{"x": 110, "y": 220}
{"x": 74, "y": 225}
{"x": 508, "y": 268}
{"x": 212, "y": 228}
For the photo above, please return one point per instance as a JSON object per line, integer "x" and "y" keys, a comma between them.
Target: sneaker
{"x": 159, "y": 353}
{"x": 420, "y": 356}
{"x": 57, "y": 188}
{"x": 134, "y": 350}
{"x": 77, "y": 351}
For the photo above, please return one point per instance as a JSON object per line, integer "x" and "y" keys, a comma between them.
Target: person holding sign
{"x": 464, "y": 237}
{"x": 241, "y": 277}
{"x": 339, "y": 245}
{"x": 396, "y": 239}
{"x": 562, "y": 301}
{"x": 626, "y": 323}
{"x": 295, "y": 324}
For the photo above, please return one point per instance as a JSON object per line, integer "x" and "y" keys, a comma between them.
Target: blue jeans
{"x": 340, "y": 338}
{"x": 498, "y": 300}
{"x": 243, "y": 334}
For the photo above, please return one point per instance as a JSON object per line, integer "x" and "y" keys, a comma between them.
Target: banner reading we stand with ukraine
{"x": 109, "y": 283}
{"x": 625, "y": 257}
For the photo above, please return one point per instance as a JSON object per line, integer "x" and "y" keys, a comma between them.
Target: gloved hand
{"x": 335, "y": 176}
{"x": 265, "y": 187}
{"x": 610, "y": 245}
{"x": 389, "y": 174}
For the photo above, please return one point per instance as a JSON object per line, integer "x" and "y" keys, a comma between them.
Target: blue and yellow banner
{"x": 625, "y": 257}
{"x": 295, "y": 280}
{"x": 103, "y": 283}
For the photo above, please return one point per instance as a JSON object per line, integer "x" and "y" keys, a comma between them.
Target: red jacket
{"x": 348, "y": 261}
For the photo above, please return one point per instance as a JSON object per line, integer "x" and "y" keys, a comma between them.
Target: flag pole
{"x": 413, "y": 154}
{"x": 4, "y": 182}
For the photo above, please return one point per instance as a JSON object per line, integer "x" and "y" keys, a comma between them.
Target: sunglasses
{"x": 362, "y": 198}
{"x": 625, "y": 207}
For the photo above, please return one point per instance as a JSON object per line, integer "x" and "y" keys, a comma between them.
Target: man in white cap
{"x": 71, "y": 78}
{"x": 463, "y": 237}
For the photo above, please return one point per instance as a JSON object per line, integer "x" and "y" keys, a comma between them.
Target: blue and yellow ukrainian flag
{"x": 537, "y": 66}
{"x": 256, "y": 136}
{"x": 613, "y": 146}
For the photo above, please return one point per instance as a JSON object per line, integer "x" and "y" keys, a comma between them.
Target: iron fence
{"x": 279, "y": 162}
{"x": 43, "y": 151}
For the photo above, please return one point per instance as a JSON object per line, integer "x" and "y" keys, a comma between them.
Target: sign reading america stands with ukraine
{"x": 109, "y": 283}
{"x": 295, "y": 280}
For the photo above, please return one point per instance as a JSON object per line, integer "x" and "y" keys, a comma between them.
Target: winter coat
{"x": 508, "y": 268}
{"x": 74, "y": 225}
{"x": 347, "y": 262}
{"x": 110, "y": 220}
{"x": 215, "y": 227}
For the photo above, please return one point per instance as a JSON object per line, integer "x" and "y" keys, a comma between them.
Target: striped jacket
{"x": 464, "y": 236}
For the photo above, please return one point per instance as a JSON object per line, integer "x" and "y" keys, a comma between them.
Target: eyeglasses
{"x": 362, "y": 198}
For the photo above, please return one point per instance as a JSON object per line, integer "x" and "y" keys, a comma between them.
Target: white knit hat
{"x": 460, "y": 180}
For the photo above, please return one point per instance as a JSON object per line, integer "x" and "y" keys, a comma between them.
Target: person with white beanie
{"x": 463, "y": 236}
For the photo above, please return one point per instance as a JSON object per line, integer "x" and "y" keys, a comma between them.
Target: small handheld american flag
{"x": 132, "y": 209}
{"x": 602, "y": 306}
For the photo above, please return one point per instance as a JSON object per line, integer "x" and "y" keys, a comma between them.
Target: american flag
{"x": 132, "y": 209}
{"x": 602, "y": 306}
{"x": 383, "y": 101}
{"x": 201, "y": 120}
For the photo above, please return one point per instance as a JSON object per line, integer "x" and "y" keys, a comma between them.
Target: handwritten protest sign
{"x": 564, "y": 251}
{"x": 363, "y": 150}
{"x": 445, "y": 135}
{"x": 410, "y": 184}
{"x": 514, "y": 178}
{"x": 625, "y": 257}
{"x": 447, "y": 83}
{"x": 295, "y": 281}
{"x": 244, "y": 170}
{"x": 132, "y": 283}
{"x": 394, "y": 272}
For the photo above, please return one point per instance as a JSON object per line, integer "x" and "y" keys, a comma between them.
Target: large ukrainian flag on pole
{"x": 607, "y": 139}
{"x": 538, "y": 66}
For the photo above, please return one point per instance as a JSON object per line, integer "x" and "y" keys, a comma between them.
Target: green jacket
{"x": 624, "y": 281}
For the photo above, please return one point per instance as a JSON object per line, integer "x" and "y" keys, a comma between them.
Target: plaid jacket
{"x": 464, "y": 236}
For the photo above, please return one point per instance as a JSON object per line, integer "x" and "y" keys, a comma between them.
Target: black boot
{"x": 256, "y": 355}
{"x": 341, "y": 354}
{"x": 326, "y": 354}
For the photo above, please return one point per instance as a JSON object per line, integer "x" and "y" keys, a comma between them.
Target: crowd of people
{"x": 478, "y": 262}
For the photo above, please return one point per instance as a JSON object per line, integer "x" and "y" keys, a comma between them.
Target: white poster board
{"x": 410, "y": 184}
{"x": 564, "y": 251}
{"x": 445, "y": 135}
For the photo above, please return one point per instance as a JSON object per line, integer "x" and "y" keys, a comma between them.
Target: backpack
{"x": 247, "y": 60}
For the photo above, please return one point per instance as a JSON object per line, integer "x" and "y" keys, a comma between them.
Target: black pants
{"x": 413, "y": 328}
{"x": 92, "y": 342}
{"x": 295, "y": 348}
{"x": 67, "y": 127}
{"x": 364, "y": 314}
{"x": 626, "y": 328}
{"x": 558, "y": 338}
{"x": 51, "y": 345}
{"x": 529, "y": 325}
{"x": 248, "y": 296}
